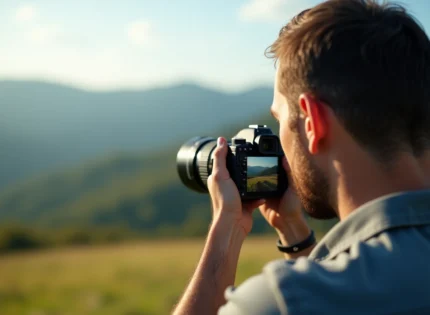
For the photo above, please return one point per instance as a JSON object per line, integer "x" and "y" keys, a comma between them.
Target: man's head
{"x": 349, "y": 74}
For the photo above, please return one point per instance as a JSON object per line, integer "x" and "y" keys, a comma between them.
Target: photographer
{"x": 352, "y": 97}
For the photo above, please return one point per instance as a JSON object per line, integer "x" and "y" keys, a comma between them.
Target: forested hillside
{"x": 46, "y": 127}
{"x": 141, "y": 191}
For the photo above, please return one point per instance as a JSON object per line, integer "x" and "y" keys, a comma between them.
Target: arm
{"x": 232, "y": 221}
{"x": 215, "y": 272}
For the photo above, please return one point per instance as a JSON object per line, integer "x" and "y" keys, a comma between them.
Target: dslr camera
{"x": 254, "y": 161}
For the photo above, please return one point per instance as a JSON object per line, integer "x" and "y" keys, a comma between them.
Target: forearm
{"x": 215, "y": 272}
{"x": 294, "y": 232}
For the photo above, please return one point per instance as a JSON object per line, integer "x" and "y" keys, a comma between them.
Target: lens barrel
{"x": 194, "y": 162}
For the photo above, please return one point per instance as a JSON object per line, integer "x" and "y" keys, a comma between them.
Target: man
{"x": 352, "y": 97}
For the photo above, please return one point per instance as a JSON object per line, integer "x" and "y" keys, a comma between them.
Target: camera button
{"x": 237, "y": 141}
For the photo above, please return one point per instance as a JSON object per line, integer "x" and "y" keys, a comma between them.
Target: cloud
{"x": 139, "y": 32}
{"x": 34, "y": 31}
{"x": 44, "y": 34}
{"x": 271, "y": 10}
{"x": 25, "y": 13}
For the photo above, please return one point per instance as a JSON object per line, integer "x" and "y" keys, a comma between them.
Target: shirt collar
{"x": 404, "y": 209}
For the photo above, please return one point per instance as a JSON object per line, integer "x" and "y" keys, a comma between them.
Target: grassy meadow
{"x": 262, "y": 183}
{"x": 145, "y": 277}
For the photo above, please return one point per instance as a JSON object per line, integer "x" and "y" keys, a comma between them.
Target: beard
{"x": 311, "y": 185}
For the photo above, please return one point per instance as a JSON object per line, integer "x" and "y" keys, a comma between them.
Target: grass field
{"x": 262, "y": 183}
{"x": 130, "y": 279}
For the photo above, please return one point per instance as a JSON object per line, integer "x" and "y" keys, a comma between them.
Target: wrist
{"x": 293, "y": 231}
{"x": 299, "y": 247}
{"x": 226, "y": 234}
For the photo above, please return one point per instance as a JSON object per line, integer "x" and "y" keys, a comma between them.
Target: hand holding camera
{"x": 250, "y": 168}
{"x": 226, "y": 203}
{"x": 285, "y": 215}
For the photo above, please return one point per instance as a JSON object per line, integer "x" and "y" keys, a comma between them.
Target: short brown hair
{"x": 369, "y": 62}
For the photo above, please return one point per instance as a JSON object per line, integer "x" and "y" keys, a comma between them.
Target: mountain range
{"x": 46, "y": 127}
{"x": 255, "y": 170}
{"x": 66, "y": 163}
{"x": 137, "y": 191}
{"x": 261, "y": 170}
{"x": 269, "y": 171}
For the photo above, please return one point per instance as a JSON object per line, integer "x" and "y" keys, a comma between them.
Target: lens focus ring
{"x": 204, "y": 161}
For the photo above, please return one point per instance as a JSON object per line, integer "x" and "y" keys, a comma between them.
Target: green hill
{"x": 269, "y": 171}
{"x": 46, "y": 126}
{"x": 138, "y": 193}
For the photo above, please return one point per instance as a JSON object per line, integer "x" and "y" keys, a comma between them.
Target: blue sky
{"x": 103, "y": 45}
{"x": 268, "y": 161}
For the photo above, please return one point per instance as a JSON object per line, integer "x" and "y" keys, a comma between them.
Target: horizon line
{"x": 138, "y": 88}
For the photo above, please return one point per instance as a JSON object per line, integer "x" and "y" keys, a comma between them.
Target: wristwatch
{"x": 308, "y": 242}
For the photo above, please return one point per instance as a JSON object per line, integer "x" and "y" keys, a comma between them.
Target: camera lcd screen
{"x": 262, "y": 173}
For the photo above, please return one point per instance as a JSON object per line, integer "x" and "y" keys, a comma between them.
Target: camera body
{"x": 254, "y": 161}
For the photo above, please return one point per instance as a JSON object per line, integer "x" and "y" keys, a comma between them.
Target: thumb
{"x": 219, "y": 170}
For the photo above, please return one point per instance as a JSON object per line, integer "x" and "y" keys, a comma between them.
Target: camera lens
{"x": 194, "y": 162}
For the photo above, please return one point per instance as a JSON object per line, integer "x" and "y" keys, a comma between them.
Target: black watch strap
{"x": 297, "y": 247}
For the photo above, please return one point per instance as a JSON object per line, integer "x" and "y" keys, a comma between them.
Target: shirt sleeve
{"x": 254, "y": 296}
{"x": 384, "y": 275}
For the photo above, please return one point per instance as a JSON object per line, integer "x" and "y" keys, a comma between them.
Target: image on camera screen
{"x": 262, "y": 173}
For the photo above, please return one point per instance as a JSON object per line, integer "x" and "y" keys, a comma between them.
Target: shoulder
{"x": 284, "y": 287}
{"x": 300, "y": 286}
{"x": 254, "y": 296}
{"x": 373, "y": 272}
{"x": 380, "y": 274}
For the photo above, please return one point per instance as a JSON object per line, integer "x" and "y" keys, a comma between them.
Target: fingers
{"x": 270, "y": 203}
{"x": 269, "y": 206}
{"x": 219, "y": 170}
{"x": 269, "y": 214}
{"x": 254, "y": 204}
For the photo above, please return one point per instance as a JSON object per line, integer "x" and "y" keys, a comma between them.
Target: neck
{"x": 360, "y": 178}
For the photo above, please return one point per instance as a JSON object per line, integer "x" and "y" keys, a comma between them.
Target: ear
{"x": 316, "y": 123}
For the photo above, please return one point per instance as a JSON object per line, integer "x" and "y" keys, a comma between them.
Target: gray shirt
{"x": 376, "y": 261}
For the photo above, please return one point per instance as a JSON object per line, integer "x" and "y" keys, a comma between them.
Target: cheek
{"x": 290, "y": 142}
{"x": 285, "y": 133}
{"x": 285, "y": 136}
